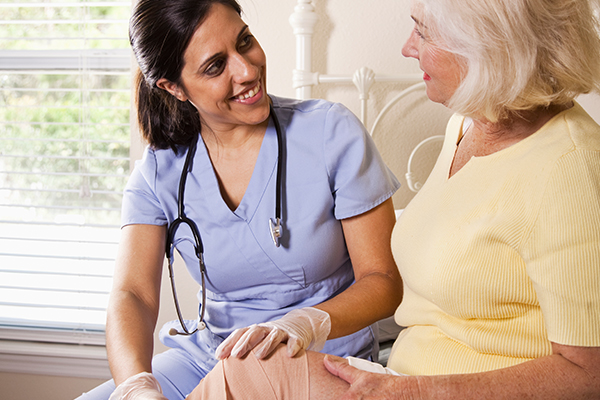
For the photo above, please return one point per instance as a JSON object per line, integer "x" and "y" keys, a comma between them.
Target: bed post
{"x": 303, "y": 21}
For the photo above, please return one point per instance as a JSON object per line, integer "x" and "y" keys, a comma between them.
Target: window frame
{"x": 73, "y": 353}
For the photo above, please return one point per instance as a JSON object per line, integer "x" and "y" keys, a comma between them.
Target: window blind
{"x": 64, "y": 160}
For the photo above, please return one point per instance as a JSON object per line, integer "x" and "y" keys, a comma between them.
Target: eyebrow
{"x": 418, "y": 22}
{"x": 217, "y": 55}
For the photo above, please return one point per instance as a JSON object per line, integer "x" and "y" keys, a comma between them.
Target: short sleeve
{"x": 140, "y": 203}
{"x": 359, "y": 178}
{"x": 565, "y": 258}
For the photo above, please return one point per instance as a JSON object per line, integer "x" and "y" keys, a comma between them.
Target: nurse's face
{"x": 224, "y": 75}
{"x": 441, "y": 69}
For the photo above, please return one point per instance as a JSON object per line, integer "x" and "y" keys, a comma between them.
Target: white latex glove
{"x": 304, "y": 328}
{"x": 142, "y": 386}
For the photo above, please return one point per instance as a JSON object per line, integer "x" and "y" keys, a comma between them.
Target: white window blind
{"x": 64, "y": 160}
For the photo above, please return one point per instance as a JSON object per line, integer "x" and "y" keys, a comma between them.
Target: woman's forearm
{"x": 134, "y": 300}
{"x": 378, "y": 288}
{"x": 129, "y": 336}
{"x": 374, "y": 297}
{"x": 570, "y": 373}
{"x": 550, "y": 377}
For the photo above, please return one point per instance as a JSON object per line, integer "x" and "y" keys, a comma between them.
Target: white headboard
{"x": 303, "y": 21}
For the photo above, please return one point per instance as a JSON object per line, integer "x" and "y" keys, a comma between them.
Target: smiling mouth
{"x": 249, "y": 94}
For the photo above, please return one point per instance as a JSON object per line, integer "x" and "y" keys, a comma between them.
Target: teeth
{"x": 250, "y": 94}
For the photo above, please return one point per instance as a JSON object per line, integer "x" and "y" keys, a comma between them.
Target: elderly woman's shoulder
{"x": 584, "y": 131}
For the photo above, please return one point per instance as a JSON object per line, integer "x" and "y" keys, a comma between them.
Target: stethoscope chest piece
{"x": 201, "y": 325}
{"x": 276, "y": 230}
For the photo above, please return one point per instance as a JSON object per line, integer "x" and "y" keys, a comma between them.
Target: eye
{"x": 246, "y": 41}
{"x": 419, "y": 33}
{"x": 215, "y": 68}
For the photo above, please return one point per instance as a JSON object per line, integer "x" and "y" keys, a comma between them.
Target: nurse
{"x": 203, "y": 85}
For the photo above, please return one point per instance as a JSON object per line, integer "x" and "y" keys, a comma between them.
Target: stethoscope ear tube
{"x": 174, "y": 331}
{"x": 198, "y": 248}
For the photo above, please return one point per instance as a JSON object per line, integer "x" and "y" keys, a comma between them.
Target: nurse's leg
{"x": 177, "y": 373}
{"x": 276, "y": 378}
{"x": 175, "y": 370}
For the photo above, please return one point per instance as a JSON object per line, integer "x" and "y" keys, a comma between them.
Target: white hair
{"x": 519, "y": 54}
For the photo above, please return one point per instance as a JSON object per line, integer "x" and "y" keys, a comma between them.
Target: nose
{"x": 243, "y": 69}
{"x": 409, "y": 49}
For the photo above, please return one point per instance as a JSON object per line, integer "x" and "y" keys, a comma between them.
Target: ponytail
{"x": 165, "y": 122}
{"x": 159, "y": 33}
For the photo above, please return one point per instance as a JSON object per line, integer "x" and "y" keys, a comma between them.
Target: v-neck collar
{"x": 264, "y": 171}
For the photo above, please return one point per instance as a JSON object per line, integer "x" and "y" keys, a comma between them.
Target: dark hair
{"x": 159, "y": 33}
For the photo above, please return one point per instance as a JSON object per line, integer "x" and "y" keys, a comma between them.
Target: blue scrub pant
{"x": 176, "y": 371}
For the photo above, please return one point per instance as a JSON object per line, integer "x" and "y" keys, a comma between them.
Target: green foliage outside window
{"x": 64, "y": 133}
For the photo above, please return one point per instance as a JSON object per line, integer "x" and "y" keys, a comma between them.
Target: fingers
{"x": 224, "y": 349}
{"x": 340, "y": 368}
{"x": 264, "y": 338}
{"x": 270, "y": 343}
{"x": 293, "y": 346}
{"x": 253, "y": 336}
{"x": 141, "y": 386}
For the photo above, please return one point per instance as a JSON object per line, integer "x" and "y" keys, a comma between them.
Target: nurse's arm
{"x": 134, "y": 300}
{"x": 378, "y": 288}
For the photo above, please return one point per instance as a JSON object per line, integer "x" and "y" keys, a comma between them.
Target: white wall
{"x": 350, "y": 34}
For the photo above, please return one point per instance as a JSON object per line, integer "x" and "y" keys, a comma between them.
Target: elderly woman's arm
{"x": 571, "y": 372}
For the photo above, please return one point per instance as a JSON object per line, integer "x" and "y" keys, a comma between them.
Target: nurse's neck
{"x": 233, "y": 137}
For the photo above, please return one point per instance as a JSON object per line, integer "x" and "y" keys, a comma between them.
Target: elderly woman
{"x": 500, "y": 250}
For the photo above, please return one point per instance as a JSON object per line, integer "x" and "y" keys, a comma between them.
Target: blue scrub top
{"x": 331, "y": 171}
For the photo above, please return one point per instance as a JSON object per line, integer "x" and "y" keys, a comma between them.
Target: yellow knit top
{"x": 503, "y": 257}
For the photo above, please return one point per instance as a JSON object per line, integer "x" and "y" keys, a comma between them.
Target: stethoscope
{"x": 275, "y": 229}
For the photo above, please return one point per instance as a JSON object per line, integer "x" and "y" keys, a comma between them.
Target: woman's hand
{"x": 305, "y": 328}
{"x": 142, "y": 386}
{"x": 368, "y": 385}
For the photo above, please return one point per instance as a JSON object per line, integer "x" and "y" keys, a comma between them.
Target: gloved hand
{"x": 142, "y": 386}
{"x": 304, "y": 328}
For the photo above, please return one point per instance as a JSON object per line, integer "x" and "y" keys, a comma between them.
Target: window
{"x": 64, "y": 160}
